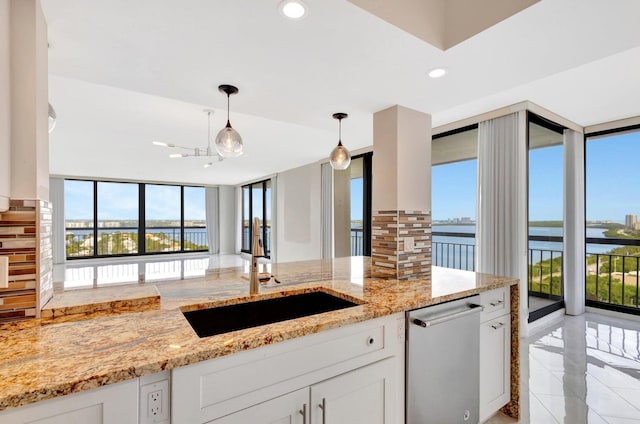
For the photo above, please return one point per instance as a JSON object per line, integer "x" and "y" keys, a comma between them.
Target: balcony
{"x": 122, "y": 241}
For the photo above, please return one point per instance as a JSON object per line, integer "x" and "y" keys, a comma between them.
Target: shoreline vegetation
{"x": 611, "y": 277}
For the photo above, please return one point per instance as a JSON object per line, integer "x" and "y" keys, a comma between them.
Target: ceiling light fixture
{"x": 194, "y": 151}
{"x": 340, "y": 157}
{"x": 52, "y": 118}
{"x": 228, "y": 141}
{"x": 437, "y": 72}
{"x": 293, "y": 9}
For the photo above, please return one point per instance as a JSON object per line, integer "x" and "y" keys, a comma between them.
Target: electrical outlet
{"x": 409, "y": 244}
{"x": 154, "y": 402}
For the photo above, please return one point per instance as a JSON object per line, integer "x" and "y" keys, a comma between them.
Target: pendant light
{"x": 340, "y": 157}
{"x": 228, "y": 141}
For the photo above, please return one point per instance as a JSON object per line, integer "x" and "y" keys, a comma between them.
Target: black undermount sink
{"x": 222, "y": 319}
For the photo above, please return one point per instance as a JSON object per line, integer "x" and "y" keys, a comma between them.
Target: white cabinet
{"x": 363, "y": 396}
{"x": 250, "y": 381}
{"x": 113, "y": 404}
{"x": 292, "y": 408}
{"x": 495, "y": 352}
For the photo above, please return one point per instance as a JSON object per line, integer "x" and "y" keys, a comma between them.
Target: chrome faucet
{"x": 256, "y": 252}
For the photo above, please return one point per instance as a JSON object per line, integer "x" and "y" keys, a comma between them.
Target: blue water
{"x": 446, "y": 254}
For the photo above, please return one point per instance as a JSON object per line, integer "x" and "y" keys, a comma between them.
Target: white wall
{"x": 299, "y": 235}
{"x": 5, "y": 106}
{"x": 227, "y": 216}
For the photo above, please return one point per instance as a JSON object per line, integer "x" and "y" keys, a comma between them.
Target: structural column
{"x": 574, "y": 223}
{"x": 401, "y": 224}
{"x": 25, "y": 228}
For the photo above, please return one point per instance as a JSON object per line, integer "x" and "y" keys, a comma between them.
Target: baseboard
{"x": 612, "y": 314}
{"x": 545, "y": 321}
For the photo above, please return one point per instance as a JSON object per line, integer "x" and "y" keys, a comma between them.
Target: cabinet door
{"x": 364, "y": 396}
{"x": 291, "y": 408}
{"x": 495, "y": 365}
{"x": 113, "y": 404}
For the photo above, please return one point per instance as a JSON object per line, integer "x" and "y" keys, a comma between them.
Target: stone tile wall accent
{"x": 389, "y": 231}
{"x": 18, "y": 242}
{"x": 25, "y": 237}
{"x": 45, "y": 253}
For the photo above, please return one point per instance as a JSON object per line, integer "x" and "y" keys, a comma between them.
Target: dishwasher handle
{"x": 448, "y": 317}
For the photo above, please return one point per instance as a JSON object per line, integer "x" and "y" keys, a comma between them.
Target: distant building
{"x": 631, "y": 222}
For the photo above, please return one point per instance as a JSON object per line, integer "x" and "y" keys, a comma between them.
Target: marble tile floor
{"x": 583, "y": 369}
{"x": 88, "y": 273}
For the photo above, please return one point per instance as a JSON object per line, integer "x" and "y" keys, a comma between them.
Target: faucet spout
{"x": 256, "y": 252}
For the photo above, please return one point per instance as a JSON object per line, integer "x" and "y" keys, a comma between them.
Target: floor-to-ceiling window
{"x": 360, "y": 204}
{"x": 256, "y": 203}
{"x": 453, "y": 176}
{"x": 545, "y": 213}
{"x": 163, "y": 224}
{"x": 612, "y": 201}
{"x": 117, "y": 218}
{"x": 79, "y": 213}
{"x": 104, "y": 218}
{"x": 195, "y": 222}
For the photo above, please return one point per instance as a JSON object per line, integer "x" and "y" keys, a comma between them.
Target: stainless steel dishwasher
{"x": 443, "y": 363}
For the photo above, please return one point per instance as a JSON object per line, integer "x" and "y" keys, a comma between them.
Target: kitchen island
{"x": 100, "y": 341}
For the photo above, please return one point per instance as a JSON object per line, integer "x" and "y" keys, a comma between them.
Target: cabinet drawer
{"x": 496, "y": 302}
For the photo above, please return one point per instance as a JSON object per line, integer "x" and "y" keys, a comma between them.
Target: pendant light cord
{"x": 228, "y": 101}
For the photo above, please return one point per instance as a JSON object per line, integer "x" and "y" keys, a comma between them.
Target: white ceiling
{"x": 127, "y": 72}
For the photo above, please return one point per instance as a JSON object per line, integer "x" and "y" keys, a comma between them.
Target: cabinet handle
{"x": 371, "y": 341}
{"x": 303, "y": 411}
{"x": 496, "y": 302}
{"x": 323, "y": 406}
{"x": 498, "y": 325}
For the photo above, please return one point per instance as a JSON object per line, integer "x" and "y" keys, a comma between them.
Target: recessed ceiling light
{"x": 293, "y": 9}
{"x": 437, "y": 72}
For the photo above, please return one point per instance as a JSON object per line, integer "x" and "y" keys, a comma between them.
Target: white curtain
{"x": 501, "y": 228}
{"x": 274, "y": 218}
{"x": 327, "y": 210}
{"x": 574, "y": 223}
{"x": 239, "y": 218}
{"x": 56, "y": 194}
{"x": 213, "y": 222}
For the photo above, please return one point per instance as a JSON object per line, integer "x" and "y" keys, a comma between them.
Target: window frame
{"x": 250, "y": 187}
{"x": 141, "y": 228}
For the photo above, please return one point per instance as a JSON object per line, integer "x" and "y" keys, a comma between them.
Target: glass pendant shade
{"x": 229, "y": 142}
{"x": 340, "y": 157}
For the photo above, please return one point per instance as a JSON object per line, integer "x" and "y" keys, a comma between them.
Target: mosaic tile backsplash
{"x": 25, "y": 237}
{"x": 389, "y": 248}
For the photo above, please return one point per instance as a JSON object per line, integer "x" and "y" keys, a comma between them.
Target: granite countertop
{"x": 87, "y": 338}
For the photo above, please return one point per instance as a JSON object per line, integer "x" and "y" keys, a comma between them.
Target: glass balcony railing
{"x": 612, "y": 276}
{"x": 357, "y": 242}
{"x": 125, "y": 241}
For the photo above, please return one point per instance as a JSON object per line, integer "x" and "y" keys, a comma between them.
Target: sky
{"x": 118, "y": 201}
{"x": 612, "y": 189}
